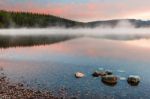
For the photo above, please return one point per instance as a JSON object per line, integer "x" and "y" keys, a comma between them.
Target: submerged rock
{"x": 99, "y": 73}
{"x": 133, "y": 80}
{"x": 79, "y": 75}
{"x": 110, "y": 79}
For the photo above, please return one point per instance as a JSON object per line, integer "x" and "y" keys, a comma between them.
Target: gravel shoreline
{"x": 9, "y": 90}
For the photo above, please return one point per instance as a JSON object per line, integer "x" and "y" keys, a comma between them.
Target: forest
{"x": 30, "y": 20}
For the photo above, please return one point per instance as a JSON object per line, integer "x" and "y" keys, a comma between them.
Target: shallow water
{"x": 52, "y": 67}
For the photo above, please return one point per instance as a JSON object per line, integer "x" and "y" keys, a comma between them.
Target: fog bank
{"x": 96, "y": 32}
{"x": 124, "y": 30}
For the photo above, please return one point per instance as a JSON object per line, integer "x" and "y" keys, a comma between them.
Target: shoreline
{"x": 10, "y": 90}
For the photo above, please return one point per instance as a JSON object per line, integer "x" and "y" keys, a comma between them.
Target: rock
{"x": 99, "y": 73}
{"x": 133, "y": 80}
{"x": 79, "y": 75}
{"x": 109, "y": 79}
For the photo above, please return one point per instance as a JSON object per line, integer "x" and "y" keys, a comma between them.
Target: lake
{"x": 52, "y": 67}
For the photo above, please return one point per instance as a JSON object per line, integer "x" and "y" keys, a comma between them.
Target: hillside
{"x": 113, "y": 23}
{"x": 22, "y": 19}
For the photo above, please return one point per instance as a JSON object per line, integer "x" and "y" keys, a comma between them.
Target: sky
{"x": 83, "y": 10}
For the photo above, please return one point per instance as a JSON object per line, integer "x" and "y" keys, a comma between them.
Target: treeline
{"x": 24, "y": 19}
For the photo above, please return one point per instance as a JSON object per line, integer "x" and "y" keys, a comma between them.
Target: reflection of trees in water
{"x": 31, "y": 40}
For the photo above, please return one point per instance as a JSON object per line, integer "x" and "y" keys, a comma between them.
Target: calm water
{"x": 52, "y": 67}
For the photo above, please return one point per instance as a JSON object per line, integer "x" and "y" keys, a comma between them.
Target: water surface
{"x": 52, "y": 67}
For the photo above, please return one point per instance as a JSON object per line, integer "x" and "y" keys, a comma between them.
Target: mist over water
{"x": 124, "y": 30}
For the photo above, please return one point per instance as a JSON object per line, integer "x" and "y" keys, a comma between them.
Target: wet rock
{"x": 133, "y": 80}
{"x": 79, "y": 74}
{"x": 99, "y": 73}
{"x": 109, "y": 79}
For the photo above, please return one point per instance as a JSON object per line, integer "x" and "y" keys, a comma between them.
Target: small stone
{"x": 110, "y": 79}
{"x": 79, "y": 75}
{"x": 133, "y": 80}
